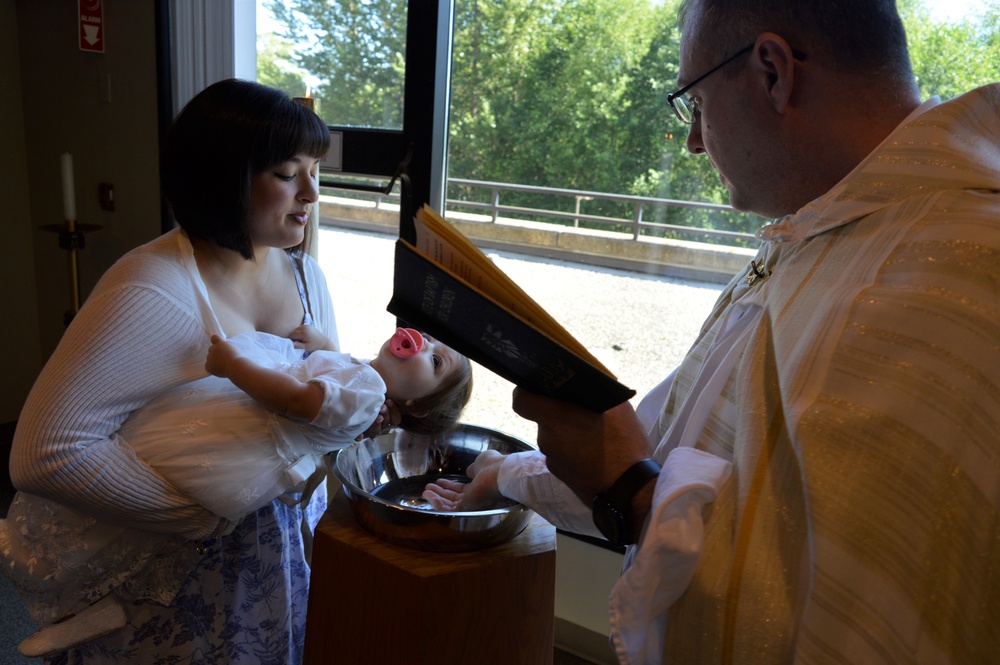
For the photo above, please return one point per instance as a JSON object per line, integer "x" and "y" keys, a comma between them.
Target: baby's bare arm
{"x": 272, "y": 389}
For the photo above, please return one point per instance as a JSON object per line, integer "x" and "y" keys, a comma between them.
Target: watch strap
{"x": 629, "y": 483}
{"x": 613, "y": 508}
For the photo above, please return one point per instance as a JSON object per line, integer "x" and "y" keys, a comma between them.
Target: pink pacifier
{"x": 406, "y": 343}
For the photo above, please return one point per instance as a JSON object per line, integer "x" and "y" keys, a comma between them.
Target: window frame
{"x": 188, "y": 63}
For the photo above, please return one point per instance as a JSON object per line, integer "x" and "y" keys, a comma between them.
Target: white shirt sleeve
{"x": 525, "y": 478}
{"x": 125, "y": 346}
{"x": 658, "y": 571}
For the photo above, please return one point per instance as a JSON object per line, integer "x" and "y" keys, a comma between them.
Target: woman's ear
{"x": 774, "y": 58}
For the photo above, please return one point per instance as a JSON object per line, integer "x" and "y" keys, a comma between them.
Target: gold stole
{"x": 740, "y": 607}
{"x": 887, "y": 504}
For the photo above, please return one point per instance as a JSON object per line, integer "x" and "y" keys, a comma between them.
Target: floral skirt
{"x": 245, "y": 602}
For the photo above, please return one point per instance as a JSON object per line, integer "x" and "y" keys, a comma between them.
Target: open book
{"x": 445, "y": 286}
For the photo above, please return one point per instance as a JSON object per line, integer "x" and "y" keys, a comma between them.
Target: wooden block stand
{"x": 376, "y": 603}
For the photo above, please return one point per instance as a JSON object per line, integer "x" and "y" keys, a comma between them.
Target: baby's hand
{"x": 219, "y": 355}
{"x": 389, "y": 416}
{"x": 311, "y": 339}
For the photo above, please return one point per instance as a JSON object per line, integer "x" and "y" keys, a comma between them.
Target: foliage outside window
{"x": 562, "y": 93}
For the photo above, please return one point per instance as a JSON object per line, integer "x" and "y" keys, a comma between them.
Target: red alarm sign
{"x": 91, "y": 13}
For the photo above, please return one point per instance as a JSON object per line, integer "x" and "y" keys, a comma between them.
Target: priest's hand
{"x": 586, "y": 450}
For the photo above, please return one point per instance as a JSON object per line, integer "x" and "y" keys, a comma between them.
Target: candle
{"x": 69, "y": 193}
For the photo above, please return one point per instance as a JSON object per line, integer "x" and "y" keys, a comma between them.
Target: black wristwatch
{"x": 612, "y": 508}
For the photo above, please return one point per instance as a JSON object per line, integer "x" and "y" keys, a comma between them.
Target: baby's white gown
{"x": 215, "y": 443}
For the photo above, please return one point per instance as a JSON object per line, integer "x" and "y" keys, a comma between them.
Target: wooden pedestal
{"x": 376, "y": 603}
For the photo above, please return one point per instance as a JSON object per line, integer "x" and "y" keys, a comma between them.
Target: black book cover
{"x": 432, "y": 299}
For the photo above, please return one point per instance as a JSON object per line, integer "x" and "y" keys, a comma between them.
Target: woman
{"x": 238, "y": 170}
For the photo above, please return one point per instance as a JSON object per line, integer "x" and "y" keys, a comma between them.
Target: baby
{"x": 212, "y": 439}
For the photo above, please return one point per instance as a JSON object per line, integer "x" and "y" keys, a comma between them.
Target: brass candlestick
{"x": 72, "y": 239}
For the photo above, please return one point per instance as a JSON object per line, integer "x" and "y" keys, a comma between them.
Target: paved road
{"x": 639, "y": 326}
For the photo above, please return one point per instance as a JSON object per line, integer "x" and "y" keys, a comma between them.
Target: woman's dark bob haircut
{"x": 228, "y": 133}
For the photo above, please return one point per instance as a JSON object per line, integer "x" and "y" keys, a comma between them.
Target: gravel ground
{"x": 639, "y": 326}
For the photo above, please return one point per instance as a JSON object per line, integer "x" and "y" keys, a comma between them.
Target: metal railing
{"x": 640, "y": 220}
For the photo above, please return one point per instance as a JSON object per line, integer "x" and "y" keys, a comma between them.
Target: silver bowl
{"x": 383, "y": 478}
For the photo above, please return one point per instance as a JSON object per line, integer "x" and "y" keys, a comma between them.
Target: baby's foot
{"x": 100, "y": 619}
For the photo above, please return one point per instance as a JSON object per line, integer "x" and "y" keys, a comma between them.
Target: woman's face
{"x": 280, "y": 200}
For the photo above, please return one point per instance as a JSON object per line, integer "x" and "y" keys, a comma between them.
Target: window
{"x": 627, "y": 349}
{"x": 386, "y": 107}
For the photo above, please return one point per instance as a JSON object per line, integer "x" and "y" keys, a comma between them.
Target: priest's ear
{"x": 774, "y": 59}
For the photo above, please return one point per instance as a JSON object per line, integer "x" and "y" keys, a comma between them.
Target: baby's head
{"x": 429, "y": 381}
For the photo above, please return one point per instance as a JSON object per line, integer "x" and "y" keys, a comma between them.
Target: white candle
{"x": 69, "y": 193}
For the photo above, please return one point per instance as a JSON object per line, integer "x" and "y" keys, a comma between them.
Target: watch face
{"x": 609, "y": 521}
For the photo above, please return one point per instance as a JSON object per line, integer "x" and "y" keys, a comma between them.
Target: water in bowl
{"x": 407, "y": 491}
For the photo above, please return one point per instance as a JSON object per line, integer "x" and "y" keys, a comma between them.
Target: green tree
{"x": 567, "y": 93}
{"x": 542, "y": 86}
{"x": 494, "y": 43}
{"x": 356, "y": 49}
{"x": 276, "y": 68}
{"x": 952, "y": 58}
{"x": 575, "y": 97}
